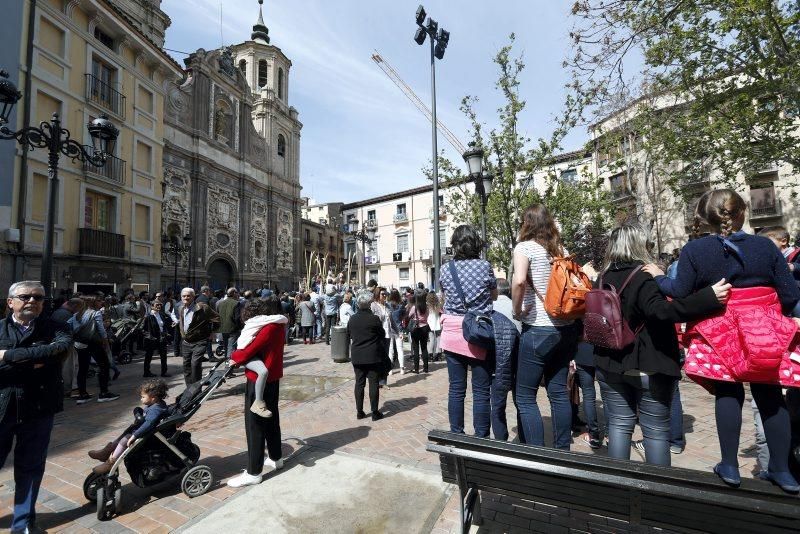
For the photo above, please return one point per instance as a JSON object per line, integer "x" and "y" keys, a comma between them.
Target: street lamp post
{"x": 439, "y": 39}
{"x": 366, "y": 235}
{"x": 173, "y": 246}
{"x": 56, "y": 139}
{"x": 483, "y": 184}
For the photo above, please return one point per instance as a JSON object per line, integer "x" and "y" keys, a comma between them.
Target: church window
{"x": 280, "y": 84}
{"x": 281, "y": 145}
{"x": 262, "y": 73}
{"x": 243, "y": 66}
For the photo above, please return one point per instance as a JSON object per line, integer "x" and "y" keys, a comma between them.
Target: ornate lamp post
{"x": 172, "y": 245}
{"x": 56, "y": 140}
{"x": 366, "y": 235}
{"x": 483, "y": 183}
{"x": 439, "y": 38}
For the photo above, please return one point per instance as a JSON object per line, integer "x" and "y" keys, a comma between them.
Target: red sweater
{"x": 267, "y": 347}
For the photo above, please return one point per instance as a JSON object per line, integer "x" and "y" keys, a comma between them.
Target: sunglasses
{"x": 24, "y": 298}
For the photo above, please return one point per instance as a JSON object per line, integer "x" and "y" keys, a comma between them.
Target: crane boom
{"x": 412, "y": 96}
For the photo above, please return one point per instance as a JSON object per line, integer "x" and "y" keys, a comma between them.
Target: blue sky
{"x": 361, "y": 136}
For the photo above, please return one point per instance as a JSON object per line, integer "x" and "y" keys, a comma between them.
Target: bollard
{"x": 340, "y": 344}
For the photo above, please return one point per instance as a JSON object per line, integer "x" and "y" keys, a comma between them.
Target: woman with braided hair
{"x": 751, "y": 340}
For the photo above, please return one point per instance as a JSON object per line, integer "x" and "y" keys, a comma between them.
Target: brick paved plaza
{"x": 317, "y": 414}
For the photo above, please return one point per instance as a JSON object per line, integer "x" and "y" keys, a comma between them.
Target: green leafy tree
{"x": 720, "y": 79}
{"x": 513, "y": 160}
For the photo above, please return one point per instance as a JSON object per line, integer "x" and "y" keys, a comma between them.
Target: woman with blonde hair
{"x": 434, "y": 314}
{"x": 640, "y": 378}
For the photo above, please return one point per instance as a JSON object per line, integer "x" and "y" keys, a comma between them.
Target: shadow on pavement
{"x": 397, "y": 406}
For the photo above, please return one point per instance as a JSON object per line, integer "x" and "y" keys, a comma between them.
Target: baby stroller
{"x": 164, "y": 452}
{"x": 121, "y": 331}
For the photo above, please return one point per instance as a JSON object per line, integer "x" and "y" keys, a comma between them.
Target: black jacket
{"x": 368, "y": 338}
{"x": 36, "y": 391}
{"x": 152, "y": 332}
{"x": 656, "y": 347}
{"x": 204, "y": 322}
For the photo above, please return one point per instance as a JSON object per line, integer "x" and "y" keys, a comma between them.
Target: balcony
{"x": 100, "y": 243}
{"x": 105, "y": 96}
{"x": 620, "y": 193}
{"x": 372, "y": 259}
{"x": 426, "y": 255}
{"x": 766, "y": 211}
{"x": 442, "y": 212}
{"x": 371, "y": 224}
{"x": 113, "y": 170}
{"x": 400, "y": 218}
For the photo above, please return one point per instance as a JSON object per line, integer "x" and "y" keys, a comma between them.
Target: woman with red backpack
{"x": 751, "y": 341}
{"x": 637, "y": 370}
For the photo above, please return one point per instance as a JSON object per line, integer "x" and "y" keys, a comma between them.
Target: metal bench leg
{"x": 470, "y": 499}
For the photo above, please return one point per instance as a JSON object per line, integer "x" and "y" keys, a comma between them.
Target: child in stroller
{"x": 164, "y": 451}
{"x": 152, "y": 394}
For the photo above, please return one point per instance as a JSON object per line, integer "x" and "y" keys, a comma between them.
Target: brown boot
{"x": 101, "y": 455}
{"x": 104, "y": 468}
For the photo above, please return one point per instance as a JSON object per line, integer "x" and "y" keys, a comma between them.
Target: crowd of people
{"x": 725, "y": 313}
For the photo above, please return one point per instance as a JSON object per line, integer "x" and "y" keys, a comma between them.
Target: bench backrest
{"x": 642, "y": 494}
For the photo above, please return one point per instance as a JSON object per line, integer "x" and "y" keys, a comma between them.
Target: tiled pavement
{"x": 316, "y": 410}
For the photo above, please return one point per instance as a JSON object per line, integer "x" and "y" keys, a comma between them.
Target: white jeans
{"x": 397, "y": 341}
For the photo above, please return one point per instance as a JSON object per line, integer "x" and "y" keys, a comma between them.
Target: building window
{"x": 141, "y": 230}
{"x": 371, "y": 215}
{"x": 144, "y": 100}
{"x": 105, "y": 77}
{"x": 763, "y": 202}
{"x": 442, "y": 239}
{"x": 243, "y": 67}
{"x": 402, "y": 243}
{"x": 281, "y": 146}
{"x": 403, "y": 273}
{"x": 144, "y": 157}
{"x": 280, "y": 84}
{"x": 262, "y": 73}
{"x": 308, "y": 236}
{"x": 323, "y": 220}
{"x": 373, "y": 275}
{"x": 619, "y": 187}
{"x": 98, "y": 211}
{"x": 569, "y": 176}
{"x": 401, "y": 209}
{"x": 104, "y": 38}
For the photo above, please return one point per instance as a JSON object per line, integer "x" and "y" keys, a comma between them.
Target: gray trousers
{"x": 193, "y": 354}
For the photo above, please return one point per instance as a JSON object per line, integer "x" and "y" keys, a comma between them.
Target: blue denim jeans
{"x": 30, "y": 456}
{"x": 676, "y": 436}
{"x": 624, "y": 395}
{"x": 545, "y": 351}
{"x": 586, "y": 381}
{"x": 499, "y": 422}
{"x": 457, "y": 366}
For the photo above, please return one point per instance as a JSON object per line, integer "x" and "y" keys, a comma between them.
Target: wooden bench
{"x": 644, "y": 495}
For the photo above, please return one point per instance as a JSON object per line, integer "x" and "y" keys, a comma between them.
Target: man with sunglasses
{"x": 31, "y": 392}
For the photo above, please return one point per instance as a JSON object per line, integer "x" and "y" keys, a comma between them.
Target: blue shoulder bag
{"x": 477, "y": 329}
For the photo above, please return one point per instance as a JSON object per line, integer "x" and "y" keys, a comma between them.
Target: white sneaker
{"x": 273, "y": 465}
{"x": 402, "y": 371}
{"x": 245, "y": 479}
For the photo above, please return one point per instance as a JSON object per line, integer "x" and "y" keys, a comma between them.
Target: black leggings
{"x": 308, "y": 332}
{"x": 419, "y": 341}
{"x": 775, "y": 416}
{"x": 98, "y": 352}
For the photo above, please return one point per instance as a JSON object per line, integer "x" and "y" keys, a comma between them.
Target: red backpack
{"x": 604, "y": 325}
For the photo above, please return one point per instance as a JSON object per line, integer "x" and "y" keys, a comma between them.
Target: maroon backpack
{"x": 603, "y": 325}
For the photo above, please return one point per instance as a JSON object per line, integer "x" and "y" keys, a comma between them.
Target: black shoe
{"x": 376, "y": 416}
{"x": 425, "y": 370}
{"x": 148, "y": 374}
{"x": 165, "y": 375}
{"x": 107, "y": 397}
{"x": 83, "y": 398}
{"x": 361, "y": 415}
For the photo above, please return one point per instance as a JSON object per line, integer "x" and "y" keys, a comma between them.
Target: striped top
{"x": 538, "y": 272}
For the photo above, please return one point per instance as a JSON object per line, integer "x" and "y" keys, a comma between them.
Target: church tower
{"x": 266, "y": 70}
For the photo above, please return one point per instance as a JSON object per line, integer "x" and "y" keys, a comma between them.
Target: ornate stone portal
{"x": 259, "y": 236}
{"x": 222, "y": 222}
{"x": 284, "y": 256}
{"x": 175, "y": 211}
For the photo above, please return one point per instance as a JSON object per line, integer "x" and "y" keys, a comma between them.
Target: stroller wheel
{"x": 220, "y": 350}
{"x": 197, "y": 480}
{"x": 125, "y": 358}
{"x": 91, "y": 485}
{"x": 105, "y": 507}
{"x": 118, "y": 499}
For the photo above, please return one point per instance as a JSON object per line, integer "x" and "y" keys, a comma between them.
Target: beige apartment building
{"x": 93, "y": 57}
{"x": 402, "y": 252}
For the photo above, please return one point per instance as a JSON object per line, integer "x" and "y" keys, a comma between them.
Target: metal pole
{"x": 483, "y": 223}
{"x": 437, "y": 251}
{"x": 364, "y": 263}
{"x": 49, "y": 234}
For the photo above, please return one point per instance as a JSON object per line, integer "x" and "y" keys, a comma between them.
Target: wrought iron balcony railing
{"x": 104, "y": 95}
{"x": 100, "y": 243}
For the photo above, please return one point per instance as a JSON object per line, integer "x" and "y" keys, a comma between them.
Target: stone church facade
{"x": 231, "y": 169}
